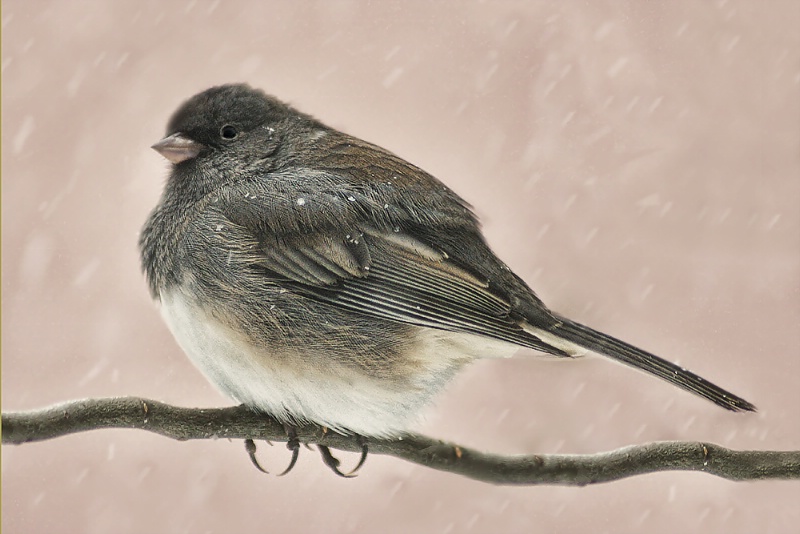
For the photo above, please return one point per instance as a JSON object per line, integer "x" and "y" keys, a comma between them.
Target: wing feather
{"x": 398, "y": 278}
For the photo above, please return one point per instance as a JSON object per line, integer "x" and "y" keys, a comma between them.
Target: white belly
{"x": 308, "y": 387}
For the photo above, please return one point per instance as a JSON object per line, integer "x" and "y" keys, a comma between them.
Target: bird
{"x": 319, "y": 278}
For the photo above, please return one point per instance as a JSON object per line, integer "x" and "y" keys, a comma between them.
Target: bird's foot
{"x": 331, "y": 461}
{"x": 293, "y": 444}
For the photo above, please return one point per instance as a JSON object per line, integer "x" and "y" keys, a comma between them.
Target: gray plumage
{"x": 321, "y": 278}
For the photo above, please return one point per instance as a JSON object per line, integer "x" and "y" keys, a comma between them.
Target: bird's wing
{"x": 394, "y": 276}
{"x": 389, "y": 273}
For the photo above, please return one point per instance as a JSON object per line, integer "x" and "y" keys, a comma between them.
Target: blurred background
{"x": 637, "y": 163}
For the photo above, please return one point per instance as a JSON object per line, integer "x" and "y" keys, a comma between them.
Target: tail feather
{"x": 628, "y": 354}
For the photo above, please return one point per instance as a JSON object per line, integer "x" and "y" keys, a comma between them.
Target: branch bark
{"x": 241, "y": 423}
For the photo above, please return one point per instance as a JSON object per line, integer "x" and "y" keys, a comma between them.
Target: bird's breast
{"x": 296, "y": 382}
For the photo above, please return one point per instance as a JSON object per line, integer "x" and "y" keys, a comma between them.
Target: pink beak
{"x": 177, "y": 148}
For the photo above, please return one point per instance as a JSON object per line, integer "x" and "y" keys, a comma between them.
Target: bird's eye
{"x": 228, "y": 132}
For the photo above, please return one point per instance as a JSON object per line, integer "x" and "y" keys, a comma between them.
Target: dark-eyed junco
{"x": 320, "y": 278}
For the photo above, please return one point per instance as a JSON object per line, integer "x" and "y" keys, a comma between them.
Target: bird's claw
{"x": 293, "y": 445}
{"x": 250, "y": 447}
{"x": 331, "y": 461}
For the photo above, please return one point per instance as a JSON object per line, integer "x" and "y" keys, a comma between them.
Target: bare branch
{"x": 241, "y": 423}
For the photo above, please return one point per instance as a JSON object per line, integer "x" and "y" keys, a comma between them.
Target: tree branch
{"x": 242, "y": 423}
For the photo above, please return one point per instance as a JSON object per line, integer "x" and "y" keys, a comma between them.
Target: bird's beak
{"x": 177, "y": 148}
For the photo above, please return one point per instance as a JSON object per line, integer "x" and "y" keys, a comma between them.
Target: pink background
{"x": 637, "y": 163}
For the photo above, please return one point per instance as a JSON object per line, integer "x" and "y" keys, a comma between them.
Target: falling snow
{"x": 392, "y": 77}
{"x": 592, "y": 143}
{"x": 22, "y": 135}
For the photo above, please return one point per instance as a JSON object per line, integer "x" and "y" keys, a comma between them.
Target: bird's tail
{"x": 611, "y": 347}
